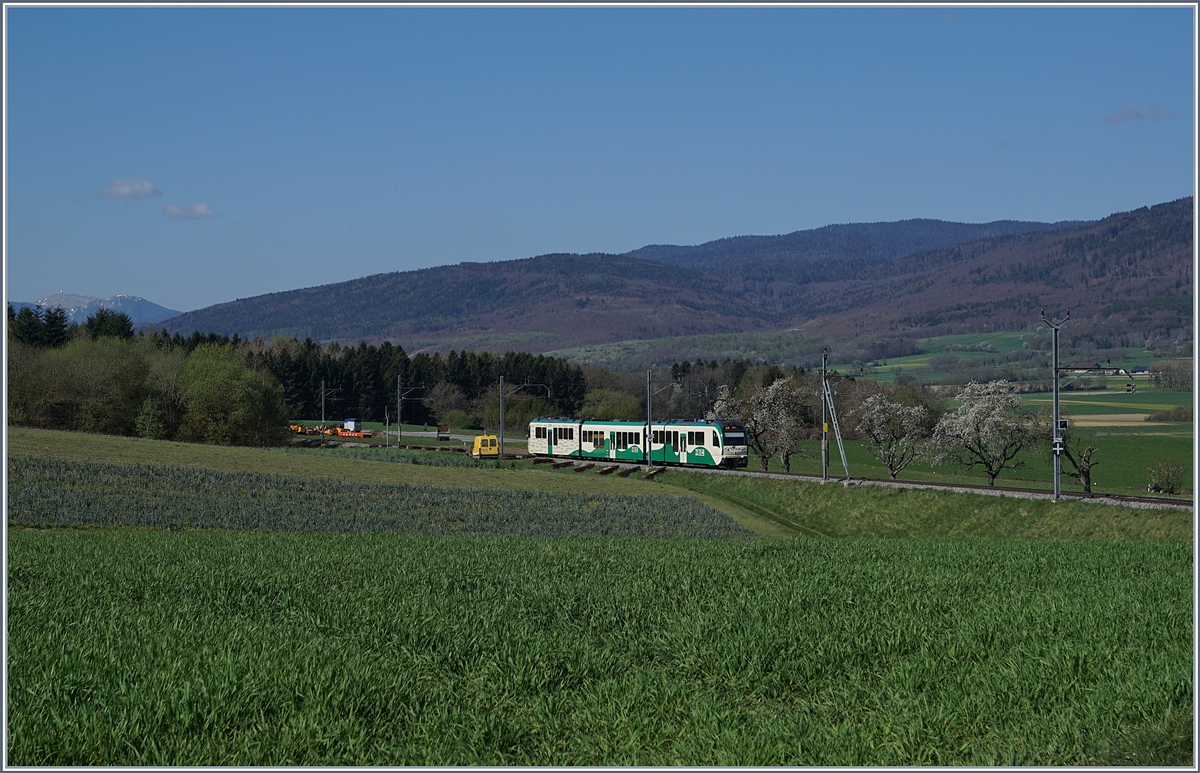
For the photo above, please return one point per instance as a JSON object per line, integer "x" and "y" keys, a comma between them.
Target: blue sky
{"x": 197, "y": 155}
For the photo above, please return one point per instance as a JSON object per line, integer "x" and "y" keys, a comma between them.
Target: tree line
{"x": 102, "y": 376}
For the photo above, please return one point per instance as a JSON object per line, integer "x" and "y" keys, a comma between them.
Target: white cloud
{"x": 195, "y": 212}
{"x": 1127, "y": 113}
{"x": 135, "y": 188}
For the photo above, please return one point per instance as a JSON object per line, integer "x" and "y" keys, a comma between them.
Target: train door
{"x": 550, "y": 437}
{"x": 683, "y": 447}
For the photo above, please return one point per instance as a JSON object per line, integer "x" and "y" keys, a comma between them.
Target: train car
{"x": 677, "y": 441}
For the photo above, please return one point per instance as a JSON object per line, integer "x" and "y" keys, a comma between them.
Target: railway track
{"x": 1126, "y": 499}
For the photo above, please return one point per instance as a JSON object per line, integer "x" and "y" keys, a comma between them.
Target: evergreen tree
{"x": 106, "y": 322}
{"x": 57, "y": 327}
{"x": 27, "y": 326}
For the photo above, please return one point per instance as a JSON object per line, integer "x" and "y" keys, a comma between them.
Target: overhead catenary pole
{"x": 549, "y": 395}
{"x": 324, "y": 392}
{"x": 824, "y": 417}
{"x": 1057, "y": 440}
{"x": 649, "y": 422}
{"x": 400, "y": 393}
{"x": 650, "y": 393}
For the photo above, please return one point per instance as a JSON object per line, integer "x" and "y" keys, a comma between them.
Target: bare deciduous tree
{"x": 988, "y": 430}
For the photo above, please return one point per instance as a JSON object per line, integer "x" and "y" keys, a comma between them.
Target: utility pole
{"x": 1057, "y": 442}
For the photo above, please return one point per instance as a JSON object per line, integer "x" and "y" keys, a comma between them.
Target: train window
{"x": 716, "y": 439}
{"x": 570, "y": 433}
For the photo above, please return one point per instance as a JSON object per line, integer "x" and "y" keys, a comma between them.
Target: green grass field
{"x": 1112, "y": 401}
{"x": 149, "y": 647}
{"x": 1122, "y": 459}
{"x": 904, "y": 627}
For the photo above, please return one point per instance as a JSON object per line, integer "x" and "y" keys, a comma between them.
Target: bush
{"x": 1178, "y": 413}
{"x": 458, "y": 419}
{"x": 228, "y": 403}
{"x": 1166, "y": 476}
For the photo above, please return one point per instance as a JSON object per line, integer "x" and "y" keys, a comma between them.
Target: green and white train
{"x": 704, "y": 443}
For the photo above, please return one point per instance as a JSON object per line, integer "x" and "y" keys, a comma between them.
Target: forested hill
{"x": 834, "y": 251}
{"x": 549, "y": 299}
{"x": 1131, "y": 269}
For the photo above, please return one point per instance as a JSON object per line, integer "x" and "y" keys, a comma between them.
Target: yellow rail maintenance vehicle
{"x": 485, "y": 446}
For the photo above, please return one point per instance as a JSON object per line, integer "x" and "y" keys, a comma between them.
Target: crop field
{"x": 284, "y": 607}
{"x": 321, "y": 464}
{"x": 969, "y": 346}
{"x": 151, "y": 647}
{"x": 752, "y": 503}
{"x": 48, "y": 493}
{"x": 1112, "y": 401}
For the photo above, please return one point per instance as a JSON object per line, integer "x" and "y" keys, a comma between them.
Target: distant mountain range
{"x": 80, "y": 307}
{"x": 1130, "y": 272}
